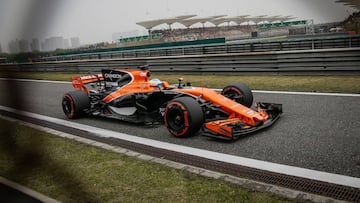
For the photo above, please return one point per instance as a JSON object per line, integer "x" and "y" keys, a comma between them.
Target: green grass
{"x": 341, "y": 84}
{"x": 73, "y": 172}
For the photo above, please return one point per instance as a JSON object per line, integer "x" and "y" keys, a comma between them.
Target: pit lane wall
{"x": 341, "y": 61}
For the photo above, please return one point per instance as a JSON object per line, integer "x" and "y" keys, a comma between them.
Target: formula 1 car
{"x": 130, "y": 95}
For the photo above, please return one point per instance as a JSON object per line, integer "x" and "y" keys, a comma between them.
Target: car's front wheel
{"x": 74, "y": 103}
{"x": 183, "y": 117}
{"x": 240, "y": 93}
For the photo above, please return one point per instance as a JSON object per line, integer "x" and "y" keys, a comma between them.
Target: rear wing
{"x": 80, "y": 82}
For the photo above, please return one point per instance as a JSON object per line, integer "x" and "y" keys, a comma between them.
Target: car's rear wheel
{"x": 240, "y": 93}
{"x": 74, "y": 103}
{"x": 183, "y": 117}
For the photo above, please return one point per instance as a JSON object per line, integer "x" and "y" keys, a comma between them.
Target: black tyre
{"x": 183, "y": 117}
{"x": 240, "y": 93}
{"x": 74, "y": 103}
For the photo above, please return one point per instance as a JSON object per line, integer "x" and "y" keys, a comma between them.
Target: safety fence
{"x": 215, "y": 46}
{"x": 324, "y": 61}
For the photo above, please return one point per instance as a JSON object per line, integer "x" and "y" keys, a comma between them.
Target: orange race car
{"x": 131, "y": 96}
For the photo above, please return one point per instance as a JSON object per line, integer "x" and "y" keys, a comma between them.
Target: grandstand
{"x": 195, "y": 30}
{"x": 193, "y": 27}
{"x": 241, "y": 27}
{"x": 189, "y": 20}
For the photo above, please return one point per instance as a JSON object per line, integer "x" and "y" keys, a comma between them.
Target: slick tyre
{"x": 183, "y": 117}
{"x": 240, "y": 93}
{"x": 74, "y": 103}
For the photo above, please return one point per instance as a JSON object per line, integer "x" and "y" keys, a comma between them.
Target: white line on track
{"x": 219, "y": 90}
{"x": 252, "y": 163}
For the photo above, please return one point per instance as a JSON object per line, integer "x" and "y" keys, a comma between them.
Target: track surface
{"x": 315, "y": 132}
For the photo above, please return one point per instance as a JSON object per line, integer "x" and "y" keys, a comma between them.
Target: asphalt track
{"x": 319, "y": 132}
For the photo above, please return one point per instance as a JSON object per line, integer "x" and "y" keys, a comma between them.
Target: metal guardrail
{"x": 291, "y": 44}
{"x": 324, "y": 61}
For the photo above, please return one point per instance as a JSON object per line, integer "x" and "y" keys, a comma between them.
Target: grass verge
{"x": 73, "y": 172}
{"x": 340, "y": 84}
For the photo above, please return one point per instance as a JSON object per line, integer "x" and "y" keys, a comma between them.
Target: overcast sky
{"x": 96, "y": 20}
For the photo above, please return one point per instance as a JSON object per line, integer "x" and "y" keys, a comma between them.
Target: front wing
{"x": 232, "y": 129}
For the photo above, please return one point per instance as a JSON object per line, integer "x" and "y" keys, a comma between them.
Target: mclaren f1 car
{"x": 132, "y": 96}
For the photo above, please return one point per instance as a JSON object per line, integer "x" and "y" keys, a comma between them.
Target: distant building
{"x": 18, "y": 46}
{"x": 24, "y": 46}
{"x": 42, "y": 46}
{"x": 53, "y": 43}
{"x": 75, "y": 42}
{"x": 14, "y": 46}
{"x": 66, "y": 44}
{"x": 35, "y": 44}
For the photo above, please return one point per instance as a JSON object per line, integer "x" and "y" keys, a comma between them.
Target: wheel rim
{"x": 68, "y": 106}
{"x": 175, "y": 119}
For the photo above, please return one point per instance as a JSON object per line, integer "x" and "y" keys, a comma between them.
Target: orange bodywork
{"x": 236, "y": 110}
{"x": 140, "y": 84}
{"x": 79, "y": 82}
